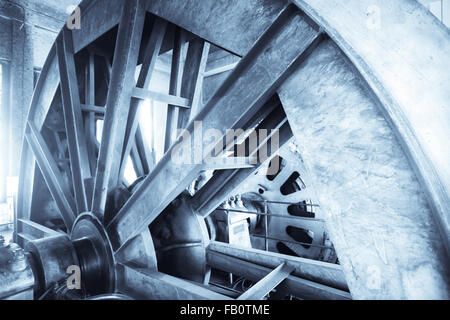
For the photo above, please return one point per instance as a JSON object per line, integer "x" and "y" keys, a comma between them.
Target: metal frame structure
{"x": 82, "y": 185}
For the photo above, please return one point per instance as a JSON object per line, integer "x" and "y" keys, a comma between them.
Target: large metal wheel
{"x": 149, "y": 239}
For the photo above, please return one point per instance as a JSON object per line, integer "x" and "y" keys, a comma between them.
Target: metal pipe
{"x": 293, "y": 203}
{"x": 293, "y": 242}
{"x": 272, "y": 215}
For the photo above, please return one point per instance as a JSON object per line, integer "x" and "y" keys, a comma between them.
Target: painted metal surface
{"x": 402, "y": 51}
{"x": 375, "y": 209}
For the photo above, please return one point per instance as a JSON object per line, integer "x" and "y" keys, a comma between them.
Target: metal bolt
{"x": 239, "y": 201}
{"x": 232, "y": 202}
{"x": 18, "y": 253}
{"x": 18, "y": 262}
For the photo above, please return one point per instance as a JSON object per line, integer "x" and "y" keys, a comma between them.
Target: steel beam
{"x": 222, "y": 185}
{"x": 43, "y": 95}
{"x": 92, "y": 108}
{"x": 52, "y": 176}
{"x": 301, "y": 288}
{"x": 34, "y": 230}
{"x": 249, "y": 86}
{"x": 176, "y": 73}
{"x": 317, "y": 271}
{"x": 98, "y": 17}
{"x": 192, "y": 82}
{"x": 79, "y": 159}
{"x": 174, "y": 101}
{"x": 268, "y": 283}
{"x": 144, "y": 284}
{"x": 219, "y": 163}
{"x": 235, "y": 25}
{"x": 140, "y": 92}
{"x": 136, "y": 160}
{"x": 143, "y": 152}
{"x": 118, "y": 102}
{"x": 220, "y": 70}
{"x": 89, "y": 98}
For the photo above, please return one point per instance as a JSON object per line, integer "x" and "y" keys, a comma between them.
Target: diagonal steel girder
{"x": 58, "y": 189}
{"x": 118, "y": 102}
{"x": 146, "y": 284}
{"x": 223, "y": 183}
{"x": 78, "y": 151}
{"x": 279, "y": 51}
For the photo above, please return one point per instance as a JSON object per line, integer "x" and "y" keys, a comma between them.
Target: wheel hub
{"x": 95, "y": 254}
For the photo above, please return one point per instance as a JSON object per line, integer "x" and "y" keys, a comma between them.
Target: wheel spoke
{"x": 140, "y": 252}
{"x": 246, "y": 90}
{"x": 192, "y": 83}
{"x": 175, "y": 86}
{"x": 45, "y": 91}
{"x": 90, "y": 117}
{"x": 143, "y": 152}
{"x": 79, "y": 160}
{"x": 136, "y": 161}
{"x": 118, "y": 102}
{"x": 151, "y": 54}
{"x": 52, "y": 176}
{"x": 222, "y": 185}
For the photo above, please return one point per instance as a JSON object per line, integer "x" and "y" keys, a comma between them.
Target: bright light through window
{"x": 99, "y": 130}
{"x": 129, "y": 173}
